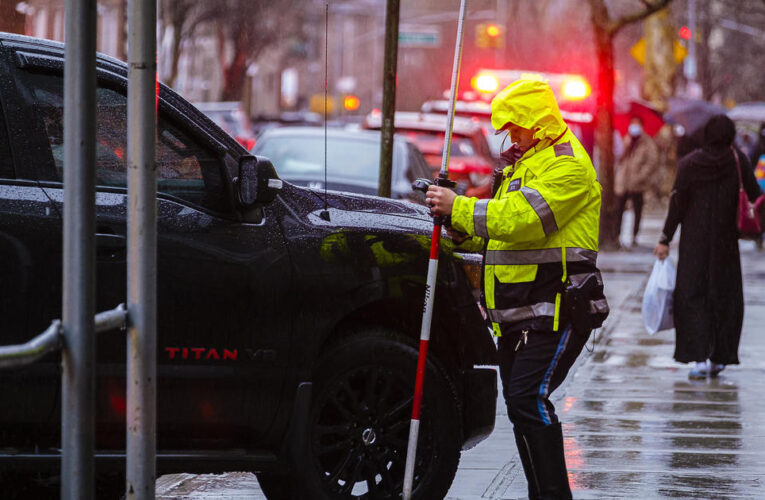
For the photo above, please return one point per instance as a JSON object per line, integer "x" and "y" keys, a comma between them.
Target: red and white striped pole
{"x": 430, "y": 286}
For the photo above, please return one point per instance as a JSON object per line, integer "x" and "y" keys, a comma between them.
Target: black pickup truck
{"x": 287, "y": 340}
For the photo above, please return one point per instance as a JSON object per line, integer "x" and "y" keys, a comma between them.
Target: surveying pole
{"x": 430, "y": 286}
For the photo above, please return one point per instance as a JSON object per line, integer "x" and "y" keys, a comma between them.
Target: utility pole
{"x": 389, "y": 97}
{"x": 499, "y": 52}
{"x": 689, "y": 66}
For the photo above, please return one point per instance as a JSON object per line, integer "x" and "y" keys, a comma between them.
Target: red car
{"x": 470, "y": 158}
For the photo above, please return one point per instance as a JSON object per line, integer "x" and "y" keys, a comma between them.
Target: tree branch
{"x": 650, "y": 8}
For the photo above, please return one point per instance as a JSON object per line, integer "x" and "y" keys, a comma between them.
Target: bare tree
{"x": 605, "y": 29}
{"x": 248, "y": 27}
{"x": 177, "y": 15}
{"x": 731, "y": 70}
{"x": 245, "y": 29}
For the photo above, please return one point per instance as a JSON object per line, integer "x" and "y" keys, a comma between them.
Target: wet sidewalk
{"x": 635, "y": 426}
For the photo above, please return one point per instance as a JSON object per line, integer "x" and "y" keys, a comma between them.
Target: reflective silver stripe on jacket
{"x": 522, "y": 313}
{"x": 543, "y": 210}
{"x": 599, "y": 306}
{"x": 479, "y": 218}
{"x": 578, "y": 279}
{"x": 543, "y": 256}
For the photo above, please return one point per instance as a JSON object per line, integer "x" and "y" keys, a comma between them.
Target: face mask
{"x": 511, "y": 154}
{"x": 635, "y": 130}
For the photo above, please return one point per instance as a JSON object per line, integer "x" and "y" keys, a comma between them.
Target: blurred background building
{"x": 271, "y": 55}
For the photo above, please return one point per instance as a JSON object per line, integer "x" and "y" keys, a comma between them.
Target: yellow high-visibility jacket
{"x": 541, "y": 227}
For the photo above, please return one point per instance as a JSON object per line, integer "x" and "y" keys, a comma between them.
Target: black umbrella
{"x": 691, "y": 115}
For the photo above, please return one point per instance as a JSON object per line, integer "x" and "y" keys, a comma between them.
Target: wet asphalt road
{"x": 635, "y": 426}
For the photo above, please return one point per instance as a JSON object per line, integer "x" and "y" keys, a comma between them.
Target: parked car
{"x": 232, "y": 118}
{"x": 470, "y": 163}
{"x": 288, "y": 322}
{"x": 353, "y": 160}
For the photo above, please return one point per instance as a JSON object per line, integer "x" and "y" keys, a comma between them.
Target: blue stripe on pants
{"x": 548, "y": 374}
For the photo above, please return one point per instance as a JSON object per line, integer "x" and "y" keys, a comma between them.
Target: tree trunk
{"x": 233, "y": 76}
{"x": 604, "y": 139}
{"x": 176, "y": 53}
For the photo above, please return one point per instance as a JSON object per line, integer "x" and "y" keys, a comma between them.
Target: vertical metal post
{"x": 389, "y": 96}
{"x": 689, "y": 67}
{"x": 78, "y": 295}
{"x": 501, "y": 15}
{"x": 142, "y": 250}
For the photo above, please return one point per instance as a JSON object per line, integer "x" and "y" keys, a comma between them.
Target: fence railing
{"x": 15, "y": 356}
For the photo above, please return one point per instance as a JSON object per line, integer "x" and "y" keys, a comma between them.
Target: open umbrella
{"x": 692, "y": 114}
{"x": 623, "y": 112}
{"x": 748, "y": 112}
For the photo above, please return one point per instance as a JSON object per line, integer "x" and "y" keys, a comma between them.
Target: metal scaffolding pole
{"x": 142, "y": 250}
{"x": 78, "y": 294}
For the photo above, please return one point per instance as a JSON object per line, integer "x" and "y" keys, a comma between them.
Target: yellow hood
{"x": 529, "y": 104}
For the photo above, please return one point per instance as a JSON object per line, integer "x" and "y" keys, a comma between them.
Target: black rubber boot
{"x": 548, "y": 463}
{"x": 523, "y": 452}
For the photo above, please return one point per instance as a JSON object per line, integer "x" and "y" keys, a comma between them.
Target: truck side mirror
{"x": 257, "y": 181}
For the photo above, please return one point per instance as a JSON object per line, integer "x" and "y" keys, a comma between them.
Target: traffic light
{"x": 489, "y": 36}
{"x": 685, "y": 33}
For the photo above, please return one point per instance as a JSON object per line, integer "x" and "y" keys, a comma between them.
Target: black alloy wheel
{"x": 360, "y": 419}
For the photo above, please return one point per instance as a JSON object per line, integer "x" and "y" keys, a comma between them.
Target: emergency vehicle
{"x": 573, "y": 92}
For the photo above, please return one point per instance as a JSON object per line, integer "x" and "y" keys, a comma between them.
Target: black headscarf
{"x": 714, "y": 161}
{"x": 719, "y": 133}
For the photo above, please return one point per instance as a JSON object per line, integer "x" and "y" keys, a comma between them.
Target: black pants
{"x": 637, "y": 207}
{"x": 531, "y": 373}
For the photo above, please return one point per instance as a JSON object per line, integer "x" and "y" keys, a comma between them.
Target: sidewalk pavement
{"x": 635, "y": 426}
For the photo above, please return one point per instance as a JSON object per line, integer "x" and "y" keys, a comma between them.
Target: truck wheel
{"x": 359, "y": 423}
{"x": 277, "y": 487}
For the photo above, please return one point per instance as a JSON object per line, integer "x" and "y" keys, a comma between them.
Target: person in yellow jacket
{"x": 539, "y": 233}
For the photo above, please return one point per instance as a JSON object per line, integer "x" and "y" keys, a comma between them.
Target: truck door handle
{"x": 110, "y": 241}
{"x": 109, "y": 244}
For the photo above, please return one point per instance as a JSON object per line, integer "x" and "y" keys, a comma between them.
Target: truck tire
{"x": 359, "y": 423}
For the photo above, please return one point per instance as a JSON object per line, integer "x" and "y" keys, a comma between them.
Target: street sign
{"x": 423, "y": 36}
{"x": 638, "y": 51}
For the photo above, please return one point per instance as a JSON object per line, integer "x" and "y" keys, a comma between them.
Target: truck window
{"x": 185, "y": 168}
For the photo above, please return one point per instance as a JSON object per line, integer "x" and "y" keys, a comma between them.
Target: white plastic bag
{"x": 657, "y": 299}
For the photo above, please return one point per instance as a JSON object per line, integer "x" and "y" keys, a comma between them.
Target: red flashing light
{"x": 685, "y": 33}
{"x": 493, "y": 30}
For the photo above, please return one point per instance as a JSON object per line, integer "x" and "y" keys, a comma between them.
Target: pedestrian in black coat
{"x": 708, "y": 298}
